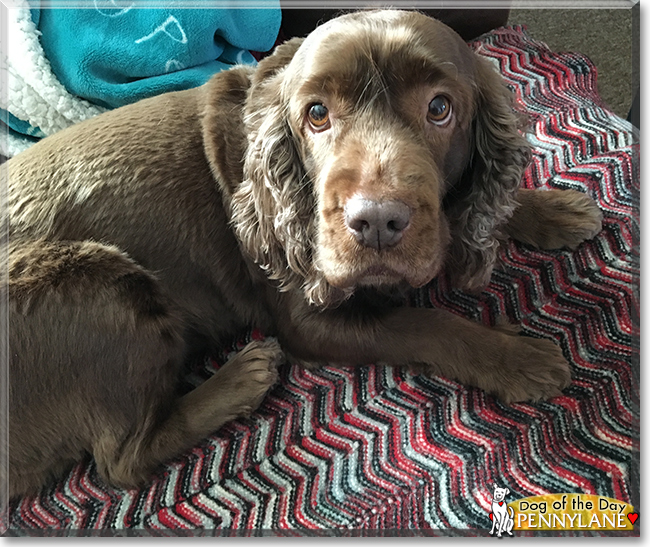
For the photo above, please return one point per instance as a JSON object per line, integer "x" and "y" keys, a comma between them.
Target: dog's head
{"x": 500, "y": 493}
{"x": 376, "y": 151}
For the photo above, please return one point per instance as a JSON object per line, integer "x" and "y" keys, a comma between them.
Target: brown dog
{"x": 292, "y": 197}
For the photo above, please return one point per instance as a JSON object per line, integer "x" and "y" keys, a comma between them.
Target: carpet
{"x": 381, "y": 451}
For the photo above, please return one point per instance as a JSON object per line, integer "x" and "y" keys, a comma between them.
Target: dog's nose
{"x": 377, "y": 224}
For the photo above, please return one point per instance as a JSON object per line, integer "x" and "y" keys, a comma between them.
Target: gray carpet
{"x": 603, "y": 35}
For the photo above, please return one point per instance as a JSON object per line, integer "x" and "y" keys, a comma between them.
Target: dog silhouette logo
{"x": 502, "y": 516}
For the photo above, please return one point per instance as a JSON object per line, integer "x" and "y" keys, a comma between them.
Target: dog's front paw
{"x": 251, "y": 373}
{"x": 573, "y": 217}
{"x": 535, "y": 370}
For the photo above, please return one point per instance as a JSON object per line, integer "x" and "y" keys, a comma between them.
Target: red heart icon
{"x": 491, "y": 516}
{"x": 633, "y": 517}
{"x": 500, "y": 503}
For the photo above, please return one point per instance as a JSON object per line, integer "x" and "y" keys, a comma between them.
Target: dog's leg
{"x": 96, "y": 349}
{"x": 234, "y": 391}
{"x": 512, "y": 367}
{"x": 554, "y": 219}
{"x": 494, "y": 523}
{"x": 503, "y": 523}
{"x": 510, "y": 522}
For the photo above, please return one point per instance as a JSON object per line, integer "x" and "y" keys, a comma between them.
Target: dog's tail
{"x": 511, "y": 512}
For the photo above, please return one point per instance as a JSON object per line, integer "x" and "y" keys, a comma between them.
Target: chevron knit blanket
{"x": 381, "y": 451}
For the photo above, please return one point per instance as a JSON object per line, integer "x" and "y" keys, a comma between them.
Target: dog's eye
{"x": 439, "y": 110}
{"x": 318, "y": 116}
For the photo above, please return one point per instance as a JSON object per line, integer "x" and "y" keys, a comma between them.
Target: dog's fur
{"x": 155, "y": 230}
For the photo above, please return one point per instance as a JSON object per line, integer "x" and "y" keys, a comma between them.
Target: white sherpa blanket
{"x": 34, "y": 94}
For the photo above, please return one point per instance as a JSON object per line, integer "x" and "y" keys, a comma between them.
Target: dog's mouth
{"x": 378, "y": 275}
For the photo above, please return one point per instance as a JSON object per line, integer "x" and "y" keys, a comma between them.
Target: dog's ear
{"x": 507, "y": 491}
{"x": 500, "y": 155}
{"x": 224, "y": 134}
{"x": 273, "y": 208}
{"x": 224, "y": 138}
{"x": 282, "y": 56}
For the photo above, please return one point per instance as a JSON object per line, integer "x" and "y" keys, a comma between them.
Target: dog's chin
{"x": 381, "y": 276}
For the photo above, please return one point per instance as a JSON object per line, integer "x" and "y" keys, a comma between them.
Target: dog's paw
{"x": 251, "y": 374}
{"x": 573, "y": 217}
{"x": 535, "y": 370}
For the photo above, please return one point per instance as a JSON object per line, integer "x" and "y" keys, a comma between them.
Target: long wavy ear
{"x": 224, "y": 128}
{"x": 270, "y": 205}
{"x": 273, "y": 207}
{"x": 499, "y": 157}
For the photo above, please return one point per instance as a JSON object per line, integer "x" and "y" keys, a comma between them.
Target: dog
{"x": 502, "y": 516}
{"x": 300, "y": 197}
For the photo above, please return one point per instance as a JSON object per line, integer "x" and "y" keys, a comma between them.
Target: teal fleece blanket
{"x": 66, "y": 65}
{"x": 117, "y": 51}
